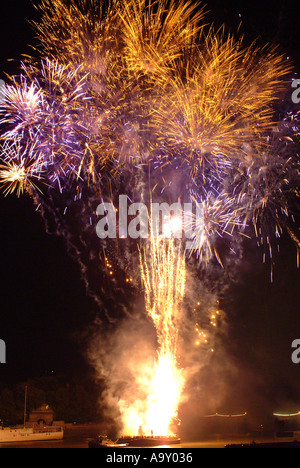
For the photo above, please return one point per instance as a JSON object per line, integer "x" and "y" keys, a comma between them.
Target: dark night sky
{"x": 43, "y": 301}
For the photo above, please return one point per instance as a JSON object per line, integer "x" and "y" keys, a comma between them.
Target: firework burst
{"x": 21, "y": 169}
{"x": 140, "y": 94}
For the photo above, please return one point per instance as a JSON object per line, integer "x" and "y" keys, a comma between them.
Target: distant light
{"x": 226, "y": 415}
{"x": 286, "y": 415}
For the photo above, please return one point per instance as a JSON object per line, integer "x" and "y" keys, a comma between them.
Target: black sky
{"x": 43, "y": 301}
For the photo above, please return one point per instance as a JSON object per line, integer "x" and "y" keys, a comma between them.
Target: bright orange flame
{"x": 153, "y": 410}
{"x": 163, "y": 274}
{"x": 166, "y": 391}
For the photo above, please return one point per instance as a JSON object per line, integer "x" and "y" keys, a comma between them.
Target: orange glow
{"x": 154, "y": 408}
{"x": 166, "y": 391}
{"x": 163, "y": 274}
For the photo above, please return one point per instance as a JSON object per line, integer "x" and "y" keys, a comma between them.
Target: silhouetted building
{"x": 42, "y": 415}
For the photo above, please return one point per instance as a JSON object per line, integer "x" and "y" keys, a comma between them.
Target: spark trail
{"x": 163, "y": 273}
